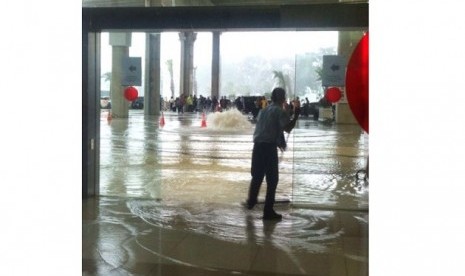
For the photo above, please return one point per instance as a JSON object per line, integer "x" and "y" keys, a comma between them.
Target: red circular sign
{"x": 357, "y": 82}
{"x": 333, "y": 94}
{"x": 130, "y": 93}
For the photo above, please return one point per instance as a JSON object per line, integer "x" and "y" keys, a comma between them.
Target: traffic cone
{"x": 109, "y": 118}
{"x": 204, "y": 122}
{"x": 162, "y": 120}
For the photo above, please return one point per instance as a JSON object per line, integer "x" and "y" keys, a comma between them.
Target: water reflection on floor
{"x": 182, "y": 162}
{"x": 171, "y": 196}
{"x": 134, "y": 236}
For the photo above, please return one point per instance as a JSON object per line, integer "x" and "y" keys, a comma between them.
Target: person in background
{"x": 271, "y": 122}
{"x": 172, "y": 104}
{"x": 263, "y": 102}
{"x": 214, "y": 104}
{"x": 189, "y": 103}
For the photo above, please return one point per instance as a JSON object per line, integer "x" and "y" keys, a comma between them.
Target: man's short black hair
{"x": 278, "y": 94}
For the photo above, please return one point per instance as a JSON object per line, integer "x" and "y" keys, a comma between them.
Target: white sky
{"x": 233, "y": 43}
{"x": 276, "y": 43}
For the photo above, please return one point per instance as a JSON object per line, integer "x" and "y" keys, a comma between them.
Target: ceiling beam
{"x": 287, "y": 17}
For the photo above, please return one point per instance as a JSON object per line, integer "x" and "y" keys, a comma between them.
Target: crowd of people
{"x": 197, "y": 104}
{"x": 247, "y": 105}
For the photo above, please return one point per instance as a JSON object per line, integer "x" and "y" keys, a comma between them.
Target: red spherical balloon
{"x": 357, "y": 82}
{"x": 130, "y": 93}
{"x": 333, "y": 94}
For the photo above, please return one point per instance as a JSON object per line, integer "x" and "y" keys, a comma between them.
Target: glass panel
{"x": 328, "y": 151}
{"x": 189, "y": 161}
{"x": 202, "y": 64}
{"x": 169, "y": 64}
{"x": 137, "y": 49}
{"x": 105, "y": 71}
{"x": 319, "y": 168}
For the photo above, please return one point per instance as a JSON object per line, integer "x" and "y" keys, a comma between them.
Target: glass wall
{"x": 252, "y": 63}
{"x": 169, "y": 65}
{"x": 202, "y": 64}
{"x": 182, "y": 160}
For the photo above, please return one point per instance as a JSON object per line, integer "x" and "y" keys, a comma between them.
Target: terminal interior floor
{"x": 170, "y": 200}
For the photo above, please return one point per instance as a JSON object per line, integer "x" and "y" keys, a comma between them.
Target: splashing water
{"x": 231, "y": 119}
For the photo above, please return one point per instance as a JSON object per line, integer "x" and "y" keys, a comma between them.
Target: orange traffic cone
{"x": 109, "y": 118}
{"x": 204, "y": 121}
{"x": 162, "y": 120}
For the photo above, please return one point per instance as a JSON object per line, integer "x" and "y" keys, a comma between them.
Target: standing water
{"x": 186, "y": 163}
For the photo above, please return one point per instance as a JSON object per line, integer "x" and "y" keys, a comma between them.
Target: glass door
{"x": 329, "y": 145}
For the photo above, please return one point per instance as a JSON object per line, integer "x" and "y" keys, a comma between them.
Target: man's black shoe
{"x": 249, "y": 205}
{"x": 272, "y": 216}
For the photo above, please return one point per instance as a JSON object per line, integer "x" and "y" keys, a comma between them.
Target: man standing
{"x": 271, "y": 122}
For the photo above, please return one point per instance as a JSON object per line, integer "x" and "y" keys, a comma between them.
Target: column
{"x": 216, "y": 65}
{"x": 187, "y": 62}
{"x": 120, "y": 43}
{"x": 152, "y": 74}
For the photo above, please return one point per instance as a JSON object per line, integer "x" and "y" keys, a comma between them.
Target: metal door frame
{"x": 327, "y": 17}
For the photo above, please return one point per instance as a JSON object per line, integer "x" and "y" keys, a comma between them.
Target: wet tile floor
{"x": 124, "y": 236}
{"x": 170, "y": 202}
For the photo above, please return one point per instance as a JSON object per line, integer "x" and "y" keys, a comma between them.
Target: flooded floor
{"x": 184, "y": 162}
{"x": 170, "y": 200}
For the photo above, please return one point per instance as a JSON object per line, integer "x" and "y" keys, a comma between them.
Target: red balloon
{"x": 357, "y": 82}
{"x": 130, "y": 93}
{"x": 333, "y": 94}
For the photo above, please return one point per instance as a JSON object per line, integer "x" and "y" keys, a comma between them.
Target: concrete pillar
{"x": 187, "y": 62}
{"x": 348, "y": 40}
{"x": 152, "y": 74}
{"x": 215, "y": 65}
{"x": 194, "y": 81}
{"x": 120, "y": 43}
